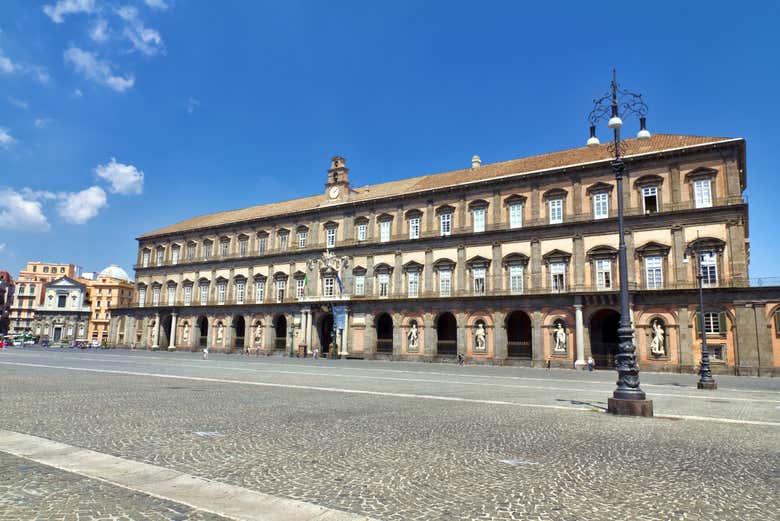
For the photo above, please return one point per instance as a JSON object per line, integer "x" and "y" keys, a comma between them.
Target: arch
{"x": 603, "y": 337}
{"x": 518, "y": 335}
{"x": 165, "y": 332}
{"x": 280, "y": 332}
{"x": 599, "y": 186}
{"x": 384, "y": 333}
{"x": 203, "y": 331}
{"x": 649, "y": 179}
{"x": 239, "y": 329}
{"x": 706, "y": 244}
{"x": 325, "y": 332}
{"x": 701, "y": 172}
{"x": 446, "y": 334}
{"x": 555, "y": 193}
{"x": 478, "y": 203}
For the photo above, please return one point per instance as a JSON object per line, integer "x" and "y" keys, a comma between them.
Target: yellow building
{"x": 110, "y": 289}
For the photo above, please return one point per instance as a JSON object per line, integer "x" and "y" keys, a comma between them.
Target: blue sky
{"x": 119, "y": 117}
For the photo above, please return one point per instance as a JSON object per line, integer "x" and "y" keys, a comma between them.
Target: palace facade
{"x": 511, "y": 262}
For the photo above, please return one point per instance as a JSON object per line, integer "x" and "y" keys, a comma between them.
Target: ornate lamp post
{"x": 628, "y": 398}
{"x": 706, "y": 381}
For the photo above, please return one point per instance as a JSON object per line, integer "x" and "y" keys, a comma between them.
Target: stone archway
{"x": 384, "y": 333}
{"x": 604, "y": 338}
{"x": 446, "y": 334}
{"x": 518, "y": 335}
{"x": 280, "y": 332}
{"x": 165, "y": 332}
{"x": 202, "y": 331}
{"x": 239, "y": 329}
{"x": 325, "y": 332}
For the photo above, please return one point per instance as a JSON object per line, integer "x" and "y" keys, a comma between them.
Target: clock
{"x": 333, "y": 192}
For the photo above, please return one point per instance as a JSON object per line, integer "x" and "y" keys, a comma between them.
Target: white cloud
{"x": 18, "y": 212}
{"x": 6, "y": 65}
{"x": 42, "y": 122}
{"x": 2, "y": 248}
{"x": 99, "y": 31}
{"x": 87, "y": 64}
{"x": 146, "y": 40}
{"x": 124, "y": 179}
{"x": 77, "y": 93}
{"x": 59, "y": 10}
{"x": 18, "y": 103}
{"x": 6, "y": 139}
{"x": 80, "y": 207}
{"x": 192, "y": 104}
{"x": 157, "y": 4}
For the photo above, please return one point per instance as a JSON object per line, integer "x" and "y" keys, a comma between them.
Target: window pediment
{"x": 444, "y": 263}
{"x": 515, "y": 258}
{"x": 262, "y": 233}
{"x": 445, "y": 208}
{"x": 599, "y": 187}
{"x": 515, "y": 199}
{"x": 203, "y": 280}
{"x": 384, "y": 217}
{"x": 260, "y": 277}
{"x": 383, "y": 267}
{"x": 221, "y": 280}
{"x": 299, "y": 274}
{"x": 243, "y": 236}
{"x": 330, "y": 224}
{"x": 238, "y": 278}
{"x": 359, "y": 270}
{"x": 652, "y": 249}
{"x": 282, "y": 231}
{"x": 478, "y": 203}
{"x": 280, "y": 275}
{"x": 706, "y": 244}
{"x": 555, "y": 193}
{"x": 601, "y": 252}
{"x": 186, "y": 282}
{"x": 478, "y": 262}
{"x": 556, "y": 256}
{"x": 412, "y": 266}
{"x": 302, "y": 229}
{"x": 361, "y": 220}
{"x": 648, "y": 180}
{"x": 700, "y": 173}
{"x": 414, "y": 212}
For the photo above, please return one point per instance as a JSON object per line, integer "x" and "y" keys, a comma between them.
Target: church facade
{"x": 505, "y": 263}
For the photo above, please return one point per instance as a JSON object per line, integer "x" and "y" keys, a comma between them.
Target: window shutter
{"x": 722, "y": 322}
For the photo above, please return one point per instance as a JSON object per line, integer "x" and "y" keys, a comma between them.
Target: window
{"x": 206, "y": 250}
{"x": 702, "y": 193}
{"x": 445, "y": 223}
{"x": 556, "y": 210}
{"x": 384, "y": 284}
{"x": 280, "y": 283}
{"x": 242, "y": 247}
{"x": 361, "y": 231}
{"x": 35, "y": 268}
{"x": 384, "y": 231}
{"x": 221, "y": 290}
{"x": 156, "y": 296}
{"x": 175, "y": 255}
{"x": 224, "y": 248}
{"x": 187, "y": 295}
{"x": 160, "y": 255}
{"x": 654, "y": 273}
{"x": 413, "y": 286}
{"x": 650, "y": 199}
{"x": 414, "y": 228}
{"x": 515, "y": 278}
{"x": 300, "y": 287}
{"x": 144, "y": 262}
{"x": 515, "y": 215}
{"x": 240, "y": 291}
{"x": 479, "y": 280}
{"x": 714, "y": 323}
{"x": 190, "y": 251}
{"x": 262, "y": 241}
{"x": 204, "y": 294}
{"x": 445, "y": 282}
{"x": 558, "y": 276}
{"x": 171, "y": 295}
{"x": 302, "y": 236}
{"x": 360, "y": 285}
{"x": 330, "y": 237}
{"x": 708, "y": 264}
{"x": 716, "y": 352}
{"x": 141, "y": 298}
{"x": 259, "y": 291}
{"x": 328, "y": 286}
{"x": 478, "y": 218}
{"x": 62, "y": 270}
{"x": 283, "y": 237}
{"x": 603, "y": 274}
{"x": 600, "y": 205}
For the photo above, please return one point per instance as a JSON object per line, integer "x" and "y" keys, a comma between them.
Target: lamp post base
{"x": 622, "y": 407}
{"x": 707, "y": 385}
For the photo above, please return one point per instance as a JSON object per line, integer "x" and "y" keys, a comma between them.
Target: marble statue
{"x": 186, "y": 333}
{"x": 414, "y": 337}
{"x": 657, "y": 343}
{"x": 479, "y": 337}
{"x": 258, "y": 331}
{"x": 560, "y": 337}
{"x": 220, "y": 331}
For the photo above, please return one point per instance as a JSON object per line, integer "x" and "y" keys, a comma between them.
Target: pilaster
{"x": 536, "y": 264}
{"x": 578, "y": 259}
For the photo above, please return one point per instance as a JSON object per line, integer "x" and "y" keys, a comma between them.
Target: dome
{"x": 115, "y": 272}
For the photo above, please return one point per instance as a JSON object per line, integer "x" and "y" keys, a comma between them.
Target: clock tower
{"x": 337, "y": 187}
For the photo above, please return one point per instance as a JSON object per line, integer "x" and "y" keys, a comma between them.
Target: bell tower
{"x": 337, "y": 187}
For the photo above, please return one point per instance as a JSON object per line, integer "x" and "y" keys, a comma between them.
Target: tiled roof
{"x": 553, "y": 160}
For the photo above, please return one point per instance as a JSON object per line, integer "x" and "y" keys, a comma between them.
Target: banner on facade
{"x": 340, "y": 316}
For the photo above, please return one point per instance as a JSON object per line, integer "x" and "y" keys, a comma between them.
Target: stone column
{"x": 496, "y": 210}
{"x": 537, "y": 339}
{"x": 674, "y": 185}
{"x": 630, "y": 259}
{"x": 536, "y": 266}
{"x": 155, "y": 332}
{"x": 737, "y": 256}
{"x": 579, "y": 337}
{"x": 685, "y": 343}
{"x": 534, "y": 205}
{"x": 398, "y": 288}
{"x": 228, "y": 339}
{"x": 429, "y": 217}
{"x": 429, "y": 335}
{"x": 399, "y": 221}
{"x": 248, "y": 332}
{"x": 461, "y": 333}
{"x": 576, "y": 192}
{"x": 369, "y": 336}
{"x": 397, "y": 332}
{"x": 369, "y": 275}
{"x": 172, "y": 342}
{"x": 677, "y": 252}
{"x": 500, "y": 345}
{"x": 495, "y": 267}
{"x": 460, "y": 268}
{"x": 345, "y": 338}
{"x": 428, "y": 272}
{"x": 578, "y": 259}
{"x": 461, "y": 213}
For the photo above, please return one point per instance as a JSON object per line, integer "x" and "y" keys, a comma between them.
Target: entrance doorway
{"x": 239, "y": 326}
{"x": 604, "y": 338}
{"x": 384, "y": 333}
{"x": 446, "y": 334}
{"x": 203, "y": 331}
{"x": 326, "y": 333}
{"x": 518, "y": 335}
{"x": 165, "y": 332}
{"x": 280, "y": 332}
{"x": 57, "y": 334}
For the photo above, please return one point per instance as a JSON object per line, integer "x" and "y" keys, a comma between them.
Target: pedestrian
{"x": 205, "y": 352}
{"x": 2, "y": 345}
{"x": 549, "y": 365}
{"x": 315, "y": 352}
{"x": 461, "y": 359}
{"x": 591, "y": 363}
{"x": 132, "y": 346}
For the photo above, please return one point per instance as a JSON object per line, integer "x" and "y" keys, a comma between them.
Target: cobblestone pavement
{"x": 495, "y": 450}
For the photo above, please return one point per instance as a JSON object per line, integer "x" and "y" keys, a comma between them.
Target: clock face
{"x": 334, "y": 192}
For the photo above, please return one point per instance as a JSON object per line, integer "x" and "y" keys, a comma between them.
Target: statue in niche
{"x": 258, "y": 331}
{"x": 186, "y": 333}
{"x": 220, "y": 332}
{"x": 657, "y": 343}
{"x": 560, "y": 337}
{"x": 414, "y": 337}
{"x": 480, "y": 339}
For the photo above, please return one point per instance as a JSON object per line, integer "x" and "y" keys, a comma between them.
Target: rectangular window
{"x": 175, "y": 256}
{"x": 702, "y": 192}
{"x": 330, "y": 237}
{"x": 328, "y": 287}
{"x": 259, "y": 291}
{"x": 144, "y": 262}
{"x": 654, "y": 272}
{"x": 479, "y": 280}
{"x": 708, "y": 265}
{"x": 280, "y": 290}
{"x": 714, "y": 323}
{"x": 261, "y": 244}
{"x": 515, "y": 215}
{"x": 478, "y": 217}
{"x": 414, "y": 228}
{"x": 190, "y": 251}
{"x": 204, "y": 294}
{"x": 360, "y": 285}
{"x": 156, "y": 296}
{"x": 302, "y": 236}
{"x": 445, "y": 223}
{"x": 413, "y": 279}
{"x": 516, "y": 278}
{"x": 361, "y": 231}
{"x": 556, "y": 210}
{"x": 160, "y": 255}
{"x": 603, "y": 274}
{"x": 384, "y": 231}
{"x": 242, "y": 247}
{"x": 187, "y": 295}
{"x": 240, "y": 291}
{"x": 171, "y": 295}
{"x": 283, "y": 237}
{"x": 445, "y": 283}
{"x": 225, "y": 245}
{"x": 300, "y": 286}
{"x": 600, "y": 205}
{"x": 558, "y": 276}
{"x": 206, "y": 250}
{"x": 650, "y": 199}
{"x": 384, "y": 284}
{"x": 221, "y": 290}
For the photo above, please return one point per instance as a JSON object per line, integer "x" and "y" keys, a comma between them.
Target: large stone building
{"x": 512, "y": 262}
{"x": 63, "y": 316}
{"x": 29, "y": 291}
